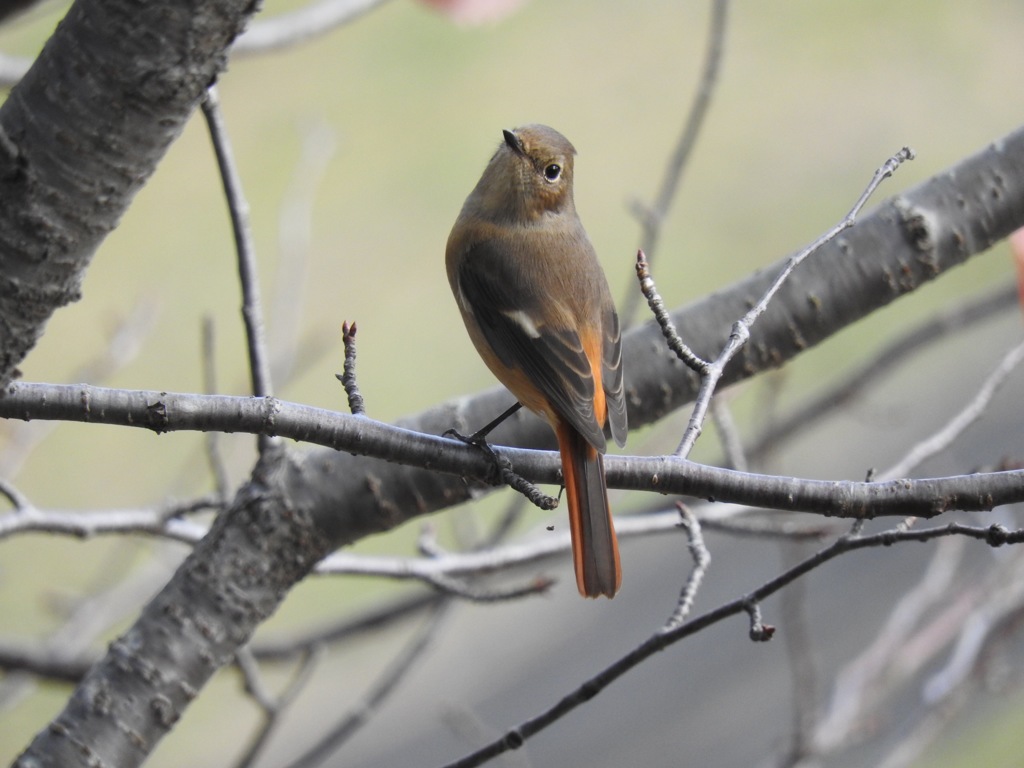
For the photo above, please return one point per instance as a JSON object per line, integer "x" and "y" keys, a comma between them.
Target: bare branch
{"x": 898, "y": 352}
{"x": 166, "y": 411}
{"x": 209, "y": 370}
{"x": 652, "y": 217}
{"x": 252, "y": 310}
{"x": 749, "y": 604}
{"x": 967, "y": 416}
{"x": 164, "y": 522}
{"x": 348, "y": 377}
{"x": 126, "y": 339}
{"x": 274, "y": 709}
{"x": 664, "y": 320}
{"x": 701, "y": 561}
{"x": 385, "y": 685}
{"x": 246, "y": 663}
{"x": 859, "y": 683}
{"x": 296, "y": 27}
{"x": 728, "y": 433}
{"x": 69, "y": 178}
{"x": 741, "y": 329}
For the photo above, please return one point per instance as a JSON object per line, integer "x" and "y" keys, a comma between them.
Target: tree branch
{"x": 358, "y": 502}
{"x": 227, "y": 586}
{"x": 67, "y": 178}
{"x": 517, "y": 736}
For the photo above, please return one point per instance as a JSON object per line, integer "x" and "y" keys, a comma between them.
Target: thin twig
{"x": 165, "y": 522}
{"x": 254, "y": 686}
{"x": 749, "y": 604}
{"x": 428, "y": 546}
{"x": 728, "y": 434}
{"x": 123, "y": 344}
{"x": 212, "y": 438}
{"x": 661, "y": 314}
{"x": 797, "y": 642}
{"x": 385, "y": 685}
{"x": 767, "y": 529}
{"x": 348, "y": 376}
{"x": 44, "y": 663}
{"x": 759, "y": 632}
{"x": 272, "y": 714}
{"x": 252, "y": 312}
{"x": 899, "y": 352}
{"x": 473, "y": 563}
{"x": 856, "y": 688}
{"x": 296, "y": 27}
{"x": 19, "y": 501}
{"x": 538, "y": 585}
{"x": 741, "y": 328}
{"x": 168, "y": 523}
{"x": 652, "y": 217}
{"x": 375, "y": 619}
{"x": 294, "y": 245}
{"x": 701, "y": 560}
{"x": 944, "y": 437}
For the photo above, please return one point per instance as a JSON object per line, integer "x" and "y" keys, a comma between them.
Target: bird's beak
{"x": 513, "y": 142}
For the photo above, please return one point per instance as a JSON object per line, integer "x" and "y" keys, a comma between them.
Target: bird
{"x": 537, "y": 307}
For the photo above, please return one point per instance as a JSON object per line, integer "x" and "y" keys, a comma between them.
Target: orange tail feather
{"x": 595, "y": 550}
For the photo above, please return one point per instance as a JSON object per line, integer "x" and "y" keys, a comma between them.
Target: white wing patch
{"x": 524, "y": 321}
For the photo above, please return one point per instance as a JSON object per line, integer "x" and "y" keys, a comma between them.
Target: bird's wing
{"x": 611, "y": 376}
{"x": 530, "y": 334}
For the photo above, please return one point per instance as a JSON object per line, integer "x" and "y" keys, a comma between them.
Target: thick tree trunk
{"x": 83, "y": 131}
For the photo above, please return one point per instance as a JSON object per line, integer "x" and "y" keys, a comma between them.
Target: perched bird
{"x": 537, "y": 307}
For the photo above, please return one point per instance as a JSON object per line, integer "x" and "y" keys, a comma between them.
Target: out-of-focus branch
{"x": 900, "y": 351}
{"x": 515, "y": 737}
{"x": 960, "y": 421}
{"x": 385, "y": 685}
{"x": 66, "y": 180}
{"x": 295, "y": 235}
{"x": 740, "y": 334}
{"x": 861, "y": 683}
{"x": 653, "y": 216}
{"x": 285, "y": 30}
{"x": 163, "y": 522}
{"x": 214, "y": 457}
{"x": 274, "y": 708}
{"x": 123, "y": 344}
{"x": 295, "y": 27}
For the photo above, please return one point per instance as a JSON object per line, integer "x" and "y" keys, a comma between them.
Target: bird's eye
{"x": 552, "y": 172}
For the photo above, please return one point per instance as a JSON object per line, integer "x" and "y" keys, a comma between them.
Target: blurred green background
{"x": 813, "y": 97}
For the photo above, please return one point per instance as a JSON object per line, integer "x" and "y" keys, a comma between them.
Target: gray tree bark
{"x": 83, "y": 132}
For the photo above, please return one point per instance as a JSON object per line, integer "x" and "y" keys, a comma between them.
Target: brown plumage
{"x": 537, "y": 307}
